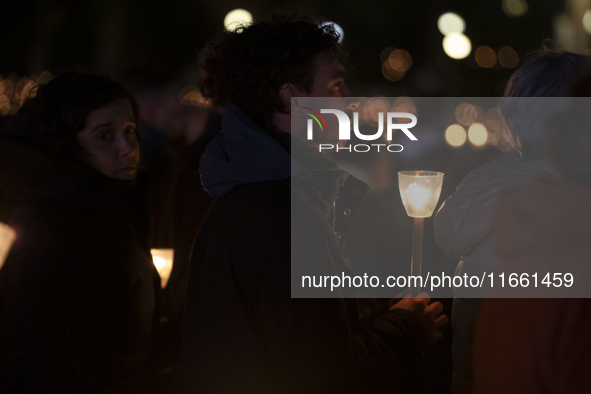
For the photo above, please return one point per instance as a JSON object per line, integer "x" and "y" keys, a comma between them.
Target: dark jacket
{"x": 78, "y": 293}
{"x": 542, "y": 344}
{"x": 244, "y": 331}
{"x": 463, "y": 230}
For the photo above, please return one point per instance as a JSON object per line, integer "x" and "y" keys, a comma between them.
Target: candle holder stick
{"x": 416, "y": 262}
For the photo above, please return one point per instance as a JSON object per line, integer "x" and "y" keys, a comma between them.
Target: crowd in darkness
{"x": 96, "y": 171}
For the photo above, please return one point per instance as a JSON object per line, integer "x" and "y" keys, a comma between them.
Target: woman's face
{"x": 110, "y": 141}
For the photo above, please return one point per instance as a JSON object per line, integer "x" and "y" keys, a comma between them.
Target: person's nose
{"x": 351, "y": 103}
{"x": 125, "y": 146}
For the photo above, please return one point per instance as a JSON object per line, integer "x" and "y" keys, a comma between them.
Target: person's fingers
{"x": 435, "y": 308}
{"x": 441, "y": 321}
{"x": 424, "y": 297}
{"x": 435, "y": 336}
{"x": 419, "y": 307}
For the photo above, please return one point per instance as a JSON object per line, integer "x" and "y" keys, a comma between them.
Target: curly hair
{"x": 249, "y": 65}
{"x": 53, "y": 117}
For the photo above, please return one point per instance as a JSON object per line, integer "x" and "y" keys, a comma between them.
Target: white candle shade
{"x": 420, "y": 191}
{"x": 163, "y": 260}
{"x": 7, "y": 237}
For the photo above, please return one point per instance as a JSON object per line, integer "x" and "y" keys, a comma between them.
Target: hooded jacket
{"x": 78, "y": 292}
{"x": 463, "y": 230}
{"x": 244, "y": 331}
{"x": 539, "y": 345}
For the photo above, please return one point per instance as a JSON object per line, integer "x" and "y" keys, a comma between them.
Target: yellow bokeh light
{"x": 455, "y": 135}
{"x": 236, "y": 18}
{"x": 477, "y": 134}
{"x": 587, "y": 21}
{"x": 450, "y": 23}
{"x": 391, "y": 74}
{"x": 485, "y": 57}
{"x": 515, "y": 8}
{"x": 386, "y": 53}
{"x": 508, "y": 58}
{"x": 457, "y": 45}
{"x": 190, "y": 95}
{"x": 399, "y": 60}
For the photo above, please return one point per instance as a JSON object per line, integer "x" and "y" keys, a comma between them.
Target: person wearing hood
{"x": 463, "y": 223}
{"x": 79, "y": 293}
{"x": 244, "y": 332}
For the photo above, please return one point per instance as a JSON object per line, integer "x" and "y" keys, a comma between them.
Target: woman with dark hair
{"x": 463, "y": 223}
{"x": 78, "y": 292}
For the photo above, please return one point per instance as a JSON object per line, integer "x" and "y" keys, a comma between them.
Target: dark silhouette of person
{"x": 79, "y": 294}
{"x": 244, "y": 332}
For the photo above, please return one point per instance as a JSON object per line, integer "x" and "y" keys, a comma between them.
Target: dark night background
{"x": 109, "y": 35}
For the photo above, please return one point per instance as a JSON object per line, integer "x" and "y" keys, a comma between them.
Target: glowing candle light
{"x": 420, "y": 191}
{"x": 7, "y": 237}
{"x": 236, "y": 18}
{"x": 163, "y": 260}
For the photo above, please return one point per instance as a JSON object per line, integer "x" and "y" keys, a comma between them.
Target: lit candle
{"x": 420, "y": 191}
{"x": 163, "y": 260}
{"x": 7, "y": 237}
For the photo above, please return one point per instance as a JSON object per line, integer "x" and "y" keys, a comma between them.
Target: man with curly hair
{"x": 244, "y": 333}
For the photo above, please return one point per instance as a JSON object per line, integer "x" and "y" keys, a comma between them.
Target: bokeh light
{"x": 450, "y": 23}
{"x": 191, "y": 96}
{"x": 457, "y": 45}
{"x": 236, "y": 18}
{"x": 9, "y": 87}
{"x": 485, "y": 57}
{"x": 14, "y": 90}
{"x": 4, "y": 105}
{"x": 385, "y": 54}
{"x": 493, "y": 119}
{"x": 477, "y": 134}
{"x": 515, "y": 8}
{"x": 391, "y": 74}
{"x": 404, "y": 104}
{"x": 587, "y": 21}
{"x": 338, "y": 29}
{"x": 508, "y": 58}
{"x": 399, "y": 60}
{"x": 467, "y": 114}
{"x": 455, "y": 135}
{"x": 373, "y": 108}
{"x": 44, "y": 77}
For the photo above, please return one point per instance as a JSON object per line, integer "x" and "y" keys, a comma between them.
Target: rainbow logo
{"x": 316, "y": 118}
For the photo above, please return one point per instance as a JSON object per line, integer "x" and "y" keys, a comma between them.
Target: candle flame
{"x": 163, "y": 259}
{"x": 417, "y": 195}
